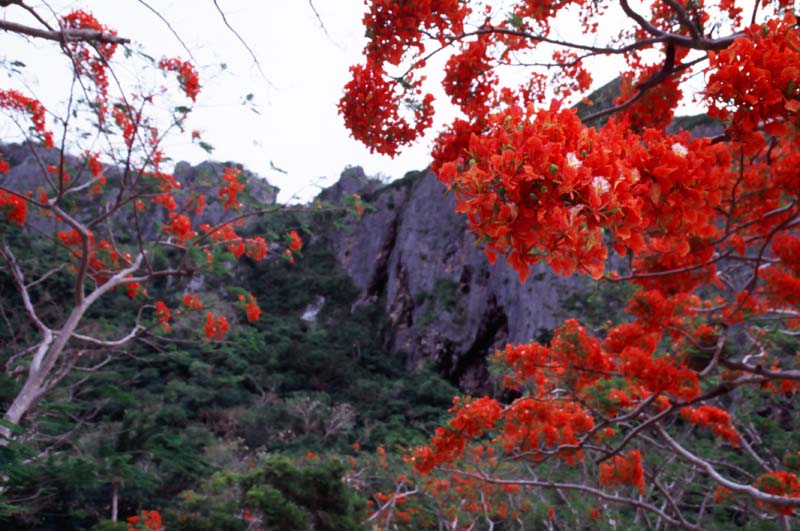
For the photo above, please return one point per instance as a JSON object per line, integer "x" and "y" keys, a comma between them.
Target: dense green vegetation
{"x": 171, "y": 414}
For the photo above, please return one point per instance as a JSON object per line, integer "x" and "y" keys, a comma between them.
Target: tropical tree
{"x": 683, "y": 415}
{"x": 104, "y": 225}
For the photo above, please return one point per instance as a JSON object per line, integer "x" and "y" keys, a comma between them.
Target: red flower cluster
{"x": 181, "y": 228}
{"x": 717, "y": 420}
{"x": 187, "y": 75}
{"x": 394, "y": 27}
{"x": 192, "y": 302}
{"x": 469, "y": 78}
{"x": 216, "y": 326}
{"x": 251, "y": 308}
{"x": 16, "y": 206}
{"x": 16, "y": 101}
{"x": 91, "y": 59}
{"x": 229, "y": 192}
{"x": 755, "y": 83}
{"x": 256, "y": 248}
{"x": 541, "y": 186}
{"x": 625, "y": 468}
{"x": 146, "y": 521}
{"x": 104, "y": 259}
{"x": 781, "y": 484}
{"x": 163, "y": 314}
{"x": 371, "y": 109}
{"x": 295, "y": 243}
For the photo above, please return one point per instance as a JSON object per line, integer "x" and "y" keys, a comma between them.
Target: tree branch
{"x": 19, "y": 280}
{"x": 64, "y": 36}
{"x": 580, "y": 488}
{"x": 110, "y": 343}
{"x": 751, "y": 491}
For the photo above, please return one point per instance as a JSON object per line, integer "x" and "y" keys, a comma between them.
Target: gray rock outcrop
{"x": 446, "y": 303}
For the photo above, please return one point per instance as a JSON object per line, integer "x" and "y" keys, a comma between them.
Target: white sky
{"x": 297, "y": 127}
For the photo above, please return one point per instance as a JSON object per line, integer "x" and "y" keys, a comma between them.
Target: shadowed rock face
{"x": 446, "y": 303}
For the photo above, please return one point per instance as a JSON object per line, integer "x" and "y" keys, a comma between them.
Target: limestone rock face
{"x": 446, "y": 303}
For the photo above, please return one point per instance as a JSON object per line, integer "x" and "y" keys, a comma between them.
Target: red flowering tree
{"x": 113, "y": 221}
{"x": 685, "y": 412}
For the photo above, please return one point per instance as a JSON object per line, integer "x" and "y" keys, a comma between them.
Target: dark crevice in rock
{"x": 465, "y": 280}
{"x": 401, "y": 312}
{"x": 470, "y": 370}
{"x": 377, "y": 286}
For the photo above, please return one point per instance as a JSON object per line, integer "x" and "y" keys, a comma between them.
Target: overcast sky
{"x": 297, "y": 127}
{"x": 293, "y": 122}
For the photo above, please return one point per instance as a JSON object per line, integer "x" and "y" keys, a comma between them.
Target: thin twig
{"x": 170, "y": 28}
{"x": 244, "y": 43}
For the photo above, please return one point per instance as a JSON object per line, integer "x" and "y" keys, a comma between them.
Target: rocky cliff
{"x": 446, "y": 304}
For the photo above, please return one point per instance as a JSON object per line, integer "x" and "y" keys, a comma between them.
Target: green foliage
{"x": 278, "y": 494}
{"x": 155, "y": 418}
{"x": 598, "y": 303}
{"x": 110, "y": 525}
{"x": 301, "y": 498}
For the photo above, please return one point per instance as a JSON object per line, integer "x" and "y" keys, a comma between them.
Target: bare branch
{"x": 62, "y": 36}
{"x": 46, "y": 276}
{"x": 640, "y": 504}
{"x": 319, "y": 18}
{"x": 704, "y": 465}
{"x": 19, "y": 280}
{"x": 110, "y": 343}
{"x": 683, "y": 18}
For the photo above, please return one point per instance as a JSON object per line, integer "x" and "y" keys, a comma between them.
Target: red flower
{"x": 133, "y": 289}
{"x": 215, "y": 327}
{"x": 16, "y": 205}
{"x": 623, "y": 468}
{"x": 15, "y": 100}
{"x": 192, "y": 301}
{"x": 163, "y": 314}
{"x": 187, "y": 76}
{"x": 230, "y": 191}
{"x": 250, "y": 307}
{"x": 296, "y": 243}
{"x": 181, "y": 228}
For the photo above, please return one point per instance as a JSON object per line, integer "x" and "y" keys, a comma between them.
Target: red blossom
{"x": 251, "y": 308}
{"x": 16, "y": 101}
{"x": 163, "y": 313}
{"x": 187, "y": 75}
{"x": 192, "y": 301}
{"x": 216, "y": 326}
{"x": 625, "y": 468}
{"x": 295, "y": 243}
{"x": 229, "y": 192}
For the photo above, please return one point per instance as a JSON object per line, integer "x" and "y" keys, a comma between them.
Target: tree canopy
{"x": 679, "y": 414}
{"x": 674, "y": 413}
